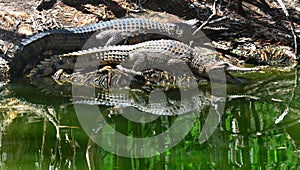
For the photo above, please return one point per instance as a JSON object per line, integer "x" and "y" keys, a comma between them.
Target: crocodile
{"x": 168, "y": 54}
{"x": 39, "y": 47}
{"x": 58, "y": 41}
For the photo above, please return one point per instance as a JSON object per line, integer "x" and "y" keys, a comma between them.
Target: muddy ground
{"x": 264, "y": 24}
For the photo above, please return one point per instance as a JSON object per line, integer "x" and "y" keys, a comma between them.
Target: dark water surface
{"x": 259, "y": 129}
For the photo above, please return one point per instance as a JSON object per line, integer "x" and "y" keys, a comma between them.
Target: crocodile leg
{"x": 140, "y": 60}
{"x": 109, "y": 37}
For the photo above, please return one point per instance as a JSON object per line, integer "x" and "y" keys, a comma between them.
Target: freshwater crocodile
{"x": 159, "y": 54}
{"x": 35, "y": 48}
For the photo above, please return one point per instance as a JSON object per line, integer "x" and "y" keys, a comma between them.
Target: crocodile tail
{"x": 39, "y": 46}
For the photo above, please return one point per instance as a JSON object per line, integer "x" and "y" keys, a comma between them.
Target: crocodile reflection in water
{"x": 238, "y": 112}
{"x": 155, "y": 102}
{"x": 155, "y": 91}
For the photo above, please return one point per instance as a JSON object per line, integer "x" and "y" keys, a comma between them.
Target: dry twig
{"x": 214, "y": 10}
{"x": 290, "y": 23}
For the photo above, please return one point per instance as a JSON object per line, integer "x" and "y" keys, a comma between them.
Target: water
{"x": 259, "y": 129}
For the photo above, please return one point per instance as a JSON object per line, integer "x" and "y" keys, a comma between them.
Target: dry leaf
{"x": 25, "y": 29}
{"x": 19, "y": 14}
{"x": 9, "y": 20}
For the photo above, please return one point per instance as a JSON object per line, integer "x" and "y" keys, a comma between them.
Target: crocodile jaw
{"x": 230, "y": 67}
{"x": 217, "y": 70}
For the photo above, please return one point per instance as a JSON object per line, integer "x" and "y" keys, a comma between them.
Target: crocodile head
{"x": 219, "y": 69}
{"x": 230, "y": 67}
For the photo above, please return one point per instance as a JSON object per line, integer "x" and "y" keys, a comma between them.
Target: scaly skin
{"x": 32, "y": 50}
{"x": 167, "y": 54}
{"x": 94, "y": 57}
